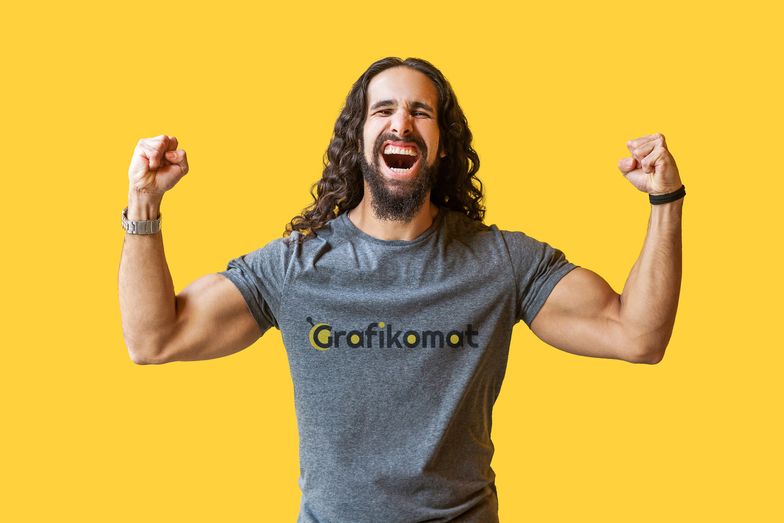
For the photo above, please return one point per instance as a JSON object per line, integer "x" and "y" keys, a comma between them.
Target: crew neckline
{"x": 353, "y": 229}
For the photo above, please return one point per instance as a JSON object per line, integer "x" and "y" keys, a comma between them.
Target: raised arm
{"x": 209, "y": 318}
{"x": 583, "y": 314}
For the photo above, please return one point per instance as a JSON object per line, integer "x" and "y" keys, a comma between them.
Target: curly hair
{"x": 341, "y": 185}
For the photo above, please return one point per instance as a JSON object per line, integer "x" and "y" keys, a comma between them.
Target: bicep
{"x": 213, "y": 320}
{"x": 582, "y": 316}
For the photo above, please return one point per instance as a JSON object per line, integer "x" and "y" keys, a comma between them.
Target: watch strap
{"x": 140, "y": 226}
{"x": 658, "y": 199}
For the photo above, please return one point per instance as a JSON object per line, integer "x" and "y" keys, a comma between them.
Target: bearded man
{"x": 396, "y": 302}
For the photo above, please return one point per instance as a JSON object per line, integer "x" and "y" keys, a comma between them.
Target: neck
{"x": 365, "y": 219}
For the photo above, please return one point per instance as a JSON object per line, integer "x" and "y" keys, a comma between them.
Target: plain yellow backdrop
{"x": 552, "y": 93}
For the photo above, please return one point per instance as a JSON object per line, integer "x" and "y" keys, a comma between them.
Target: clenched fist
{"x": 651, "y": 167}
{"x": 157, "y": 165}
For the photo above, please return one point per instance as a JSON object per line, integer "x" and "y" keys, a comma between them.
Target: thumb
{"x": 626, "y": 164}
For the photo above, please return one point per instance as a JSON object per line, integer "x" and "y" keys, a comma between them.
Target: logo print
{"x": 380, "y": 334}
{"x": 319, "y": 335}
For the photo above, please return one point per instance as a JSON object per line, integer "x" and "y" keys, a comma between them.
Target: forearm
{"x": 147, "y": 299}
{"x": 650, "y": 296}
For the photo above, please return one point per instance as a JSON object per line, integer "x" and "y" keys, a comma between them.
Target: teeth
{"x": 398, "y": 170}
{"x": 391, "y": 149}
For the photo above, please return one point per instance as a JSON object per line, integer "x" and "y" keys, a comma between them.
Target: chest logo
{"x": 381, "y": 335}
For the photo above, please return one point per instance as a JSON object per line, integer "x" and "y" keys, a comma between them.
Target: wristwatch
{"x": 140, "y": 226}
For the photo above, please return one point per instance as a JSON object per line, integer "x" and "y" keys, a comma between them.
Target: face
{"x": 400, "y": 142}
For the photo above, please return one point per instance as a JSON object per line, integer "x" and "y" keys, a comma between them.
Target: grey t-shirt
{"x": 397, "y": 350}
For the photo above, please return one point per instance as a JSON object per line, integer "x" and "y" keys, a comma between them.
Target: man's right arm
{"x": 208, "y": 319}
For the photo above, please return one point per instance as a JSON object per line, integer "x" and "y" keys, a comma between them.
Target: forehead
{"x": 402, "y": 85}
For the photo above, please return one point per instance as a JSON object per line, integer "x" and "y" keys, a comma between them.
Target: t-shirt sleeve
{"x": 259, "y": 276}
{"x": 537, "y": 267}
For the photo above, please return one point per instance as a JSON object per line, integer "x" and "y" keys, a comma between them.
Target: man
{"x": 396, "y": 303}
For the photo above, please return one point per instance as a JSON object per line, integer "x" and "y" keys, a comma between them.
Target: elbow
{"x": 141, "y": 359}
{"x": 647, "y": 349}
{"x": 145, "y": 355}
{"x": 137, "y": 359}
{"x": 147, "y": 347}
{"x": 652, "y": 358}
{"x": 647, "y": 355}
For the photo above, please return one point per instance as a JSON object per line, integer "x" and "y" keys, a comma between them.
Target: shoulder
{"x": 298, "y": 251}
{"x": 528, "y": 253}
{"x": 518, "y": 241}
{"x": 517, "y": 244}
{"x": 460, "y": 227}
{"x": 526, "y": 250}
{"x": 300, "y": 244}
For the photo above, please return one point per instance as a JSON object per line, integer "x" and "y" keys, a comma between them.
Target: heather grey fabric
{"x": 397, "y": 350}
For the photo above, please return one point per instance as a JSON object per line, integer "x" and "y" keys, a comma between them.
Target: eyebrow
{"x": 414, "y": 105}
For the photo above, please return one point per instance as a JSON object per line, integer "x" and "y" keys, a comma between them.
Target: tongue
{"x": 400, "y": 161}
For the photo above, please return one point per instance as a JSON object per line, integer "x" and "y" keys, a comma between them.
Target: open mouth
{"x": 400, "y": 160}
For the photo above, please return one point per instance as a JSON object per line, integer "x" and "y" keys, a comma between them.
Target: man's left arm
{"x": 583, "y": 315}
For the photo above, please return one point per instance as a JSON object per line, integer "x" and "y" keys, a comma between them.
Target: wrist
{"x": 671, "y": 186}
{"x": 143, "y": 206}
{"x": 670, "y": 213}
{"x": 667, "y": 197}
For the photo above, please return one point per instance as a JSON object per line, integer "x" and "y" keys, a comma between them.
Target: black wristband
{"x": 669, "y": 197}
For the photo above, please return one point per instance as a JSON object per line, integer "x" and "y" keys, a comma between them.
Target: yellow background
{"x": 552, "y": 94}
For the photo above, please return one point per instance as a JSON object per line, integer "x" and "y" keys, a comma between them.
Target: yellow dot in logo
{"x": 320, "y": 336}
{"x": 381, "y": 324}
{"x": 354, "y": 338}
{"x": 411, "y": 339}
{"x": 455, "y": 339}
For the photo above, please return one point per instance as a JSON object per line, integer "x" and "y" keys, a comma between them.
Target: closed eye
{"x": 387, "y": 112}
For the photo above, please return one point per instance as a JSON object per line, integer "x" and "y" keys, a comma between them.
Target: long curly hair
{"x": 341, "y": 185}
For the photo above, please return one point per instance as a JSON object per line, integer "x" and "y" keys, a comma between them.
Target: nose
{"x": 401, "y": 123}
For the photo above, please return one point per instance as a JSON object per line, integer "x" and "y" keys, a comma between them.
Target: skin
{"x": 405, "y": 120}
{"x": 208, "y": 318}
{"x": 583, "y": 315}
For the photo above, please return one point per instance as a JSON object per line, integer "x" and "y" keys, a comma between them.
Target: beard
{"x": 398, "y": 200}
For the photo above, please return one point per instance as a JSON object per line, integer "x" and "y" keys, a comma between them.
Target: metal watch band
{"x": 140, "y": 226}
